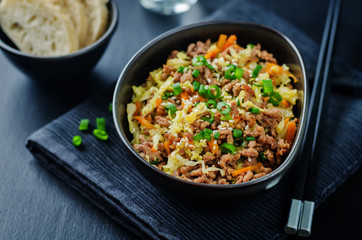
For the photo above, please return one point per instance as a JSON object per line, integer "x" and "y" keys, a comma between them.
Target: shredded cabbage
{"x": 131, "y": 109}
{"x": 157, "y": 76}
{"x": 181, "y": 60}
{"x": 291, "y": 95}
{"x": 152, "y": 103}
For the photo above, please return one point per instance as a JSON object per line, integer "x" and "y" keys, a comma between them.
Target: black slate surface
{"x": 36, "y": 205}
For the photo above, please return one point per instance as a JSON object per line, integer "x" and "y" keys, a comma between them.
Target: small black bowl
{"x": 61, "y": 69}
{"x": 155, "y": 53}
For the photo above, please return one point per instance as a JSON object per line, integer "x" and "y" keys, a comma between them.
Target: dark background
{"x": 36, "y": 205}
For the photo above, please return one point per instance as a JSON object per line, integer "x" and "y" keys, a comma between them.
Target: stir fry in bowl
{"x": 215, "y": 113}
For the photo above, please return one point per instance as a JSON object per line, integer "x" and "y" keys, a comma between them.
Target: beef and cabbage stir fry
{"x": 215, "y": 113}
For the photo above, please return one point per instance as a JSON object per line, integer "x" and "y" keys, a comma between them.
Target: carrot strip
{"x": 214, "y": 147}
{"x": 230, "y": 41}
{"x": 184, "y": 96}
{"x": 291, "y": 129}
{"x": 221, "y": 41}
{"x": 153, "y": 149}
{"x": 158, "y": 106}
{"x": 158, "y": 102}
{"x": 144, "y": 122}
{"x": 212, "y": 53}
{"x": 285, "y": 103}
{"x": 272, "y": 68}
{"x": 138, "y": 107}
{"x": 246, "y": 169}
{"x": 286, "y": 121}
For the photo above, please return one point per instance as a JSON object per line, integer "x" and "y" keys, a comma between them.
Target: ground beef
{"x": 256, "y": 53}
{"x": 199, "y": 48}
{"x": 173, "y": 54}
{"x": 234, "y": 109}
{"x": 198, "y": 126}
{"x": 187, "y": 76}
{"x": 163, "y": 121}
{"x": 145, "y": 150}
{"x": 226, "y": 134}
{"x": 208, "y": 76}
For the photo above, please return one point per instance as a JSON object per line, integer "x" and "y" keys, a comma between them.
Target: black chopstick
{"x": 301, "y": 213}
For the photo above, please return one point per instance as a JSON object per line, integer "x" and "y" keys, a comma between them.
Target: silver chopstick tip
{"x": 305, "y": 224}
{"x": 294, "y": 214}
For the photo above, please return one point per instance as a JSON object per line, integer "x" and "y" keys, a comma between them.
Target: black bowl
{"x": 60, "y": 69}
{"x": 155, "y": 53}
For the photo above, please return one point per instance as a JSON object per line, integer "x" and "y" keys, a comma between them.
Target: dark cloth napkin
{"x": 103, "y": 173}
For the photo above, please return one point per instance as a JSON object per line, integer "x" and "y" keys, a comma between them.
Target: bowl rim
{"x": 111, "y": 28}
{"x": 302, "y": 119}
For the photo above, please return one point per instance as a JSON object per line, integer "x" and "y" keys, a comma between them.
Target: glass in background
{"x": 168, "y": 7}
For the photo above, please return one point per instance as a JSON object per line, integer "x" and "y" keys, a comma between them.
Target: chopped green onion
{"x": 177, "y": 89}
{"x": 100, "y": 134}
{"x": 201, "y": 61}
{"x": 208, "y": 65}
{"x": 167, "y": 95}
{"x": 262, "y": 156}
{"x": 83, "y": 124}
{"x": 254, "y": 110}
{"x": 172, "y": 108}
{"x": 216, "y": 135}
{"x": 209, "y": 119}
{"x": 238, "y": 102}
{"x": 275, "y": 98}
{"x": 250, "y": 45}
{"x": 101, "y": 123}
{"x": 238, "y": 73}
{"x": 196, "y": 86}
{"x": 237, "y": 133}
{"x": 197, "y": 104}
{"x": 256, "y": 70}
{"x": 258, "y": 85}
{"x": 250, "y": 138}
{"x": 233, "y": 72}
{"x": 267, "y": 85}
{"x": 224, "y": 111}
{"x": 198, "y": 60}
{"x": 199, "y": 136}
{"x": 228, "y": 148}
{"x": 195, "y": 73}
{"x": 77, "y": 140}
{"x": 202, "y": 90}
{"x": 156, "y": 161}
{"x": 211, "y": 104}
{"x": 207, "y": 134}
{"x": 211, "y": 95}
{"x": 226, "y": 117}
{"x": 181, "y": 69}
{"x": 229, "y": 73}
{"x": 110, "y": 107}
